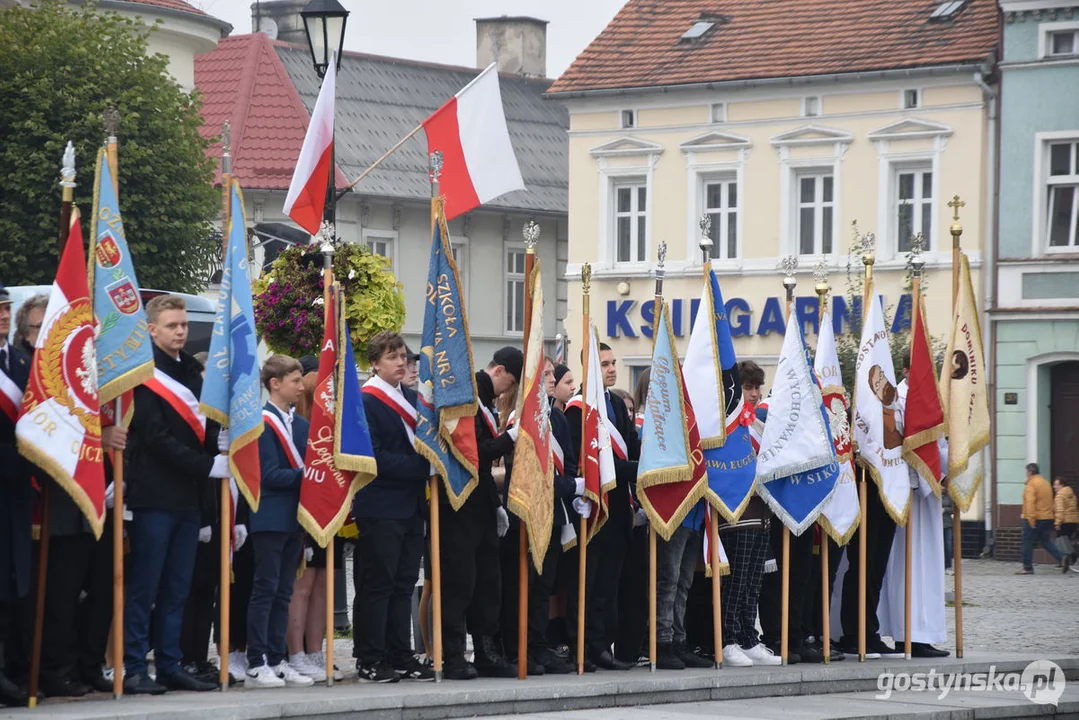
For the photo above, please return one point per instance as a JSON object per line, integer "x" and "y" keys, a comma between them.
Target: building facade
{"x": 1036, "y": 313}
{"x": 676, "y": 114}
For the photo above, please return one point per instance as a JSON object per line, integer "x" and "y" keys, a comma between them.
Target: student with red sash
{"x": 275, "y": 529}
{"x": 389, "y": 514}
{"x": 172, "y": 451}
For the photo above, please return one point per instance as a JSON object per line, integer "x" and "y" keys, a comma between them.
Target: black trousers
{"x": 770, "y": 603}
{"x": 540, "y": 586}
{"x": 68, "y": 568}
{"x": 632, "y": 625}
{"x": 603, "y": 568}
{"x": 813, "y": 609}
{"x": 880, "y": 531}
{"x": 200, "y": 612}
{"x": 389, "y": 554}
{"x": 471, "y": 572}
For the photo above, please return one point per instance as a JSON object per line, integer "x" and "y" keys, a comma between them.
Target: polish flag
{"x": 478, "y": 163}
{"x": 307, "y": 191}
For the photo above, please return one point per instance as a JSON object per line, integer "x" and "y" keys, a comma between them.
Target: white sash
{"x": 395, "y": 400}
{"x": 489, "y": 417}
{"x": 558, "y": 456}
{"x": 279, "y": 428}
{"x": 10, "y": 396}
{"x": 182, "y": 400}
{"x": 618, "y": 443}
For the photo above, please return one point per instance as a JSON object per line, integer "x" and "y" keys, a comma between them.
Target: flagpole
{"x": 789, "y": 265}
{"x": 868, "y": 258}
{"x": 224, "y": 580}
{"x": 586, "y": 283}
{"x": 328, "y": 231}
{"x": 917, "y": 263}
{"x": 531, "y": 236}
{"x": 435, "y": 171}
{"x": 657, "y": 305}
{"x": 821, "y": 276}
{"x": 957, "y": 520}
{"x": 712, "y": 523}
{"x": 112, "y": 124}
{"x": 378, "y": 162}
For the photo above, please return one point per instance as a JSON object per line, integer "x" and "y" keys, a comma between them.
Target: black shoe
{"x": 534, "y": 667}
{"x": 415, "y": 670}
{"x": 793, "y": 656}
{"x": 552, "y": 664}
{"x": 925, "y": 650}
{"x": 11, "y": 694}
{"x": 691, "y": 659}
{"x": 457, "y": 668}
{"x": 180, "y": 680}
{"x": 882, "y": 649}
{"x": 849, "y": 647}
{"x": 98, "y": 682}
{"x": 488, "y": 660}
{"x": 1066, "y": 564}
{"x": 142, "y": 685}
{"x": 667, "y": 658}
{"x": 378, "y": 673}
{"x": 204, "y": 671}
{"x": 607, "y": 661}
{"x": 62, "y": 687}
{"x": 811, "y": 653}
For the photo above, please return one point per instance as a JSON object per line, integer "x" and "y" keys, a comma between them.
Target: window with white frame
{"x": 629, "y": 119}
{"x": 717, "y": 112}
{"x": 816, "y": 206}
{"x": 1062, "y": 193}
{"x": 912, "y": 99}
{"x": 913, "y": 207}
{"x": 380, "y": 245}
{"x": 1062, "y": 43}
{"x": 721, "y": 206}
{"x": 515, "y": 289}
{"x": 811, "y": 106}
{"x": 630, "y": 221}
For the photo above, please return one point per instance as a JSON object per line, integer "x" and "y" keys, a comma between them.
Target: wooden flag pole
{"x": 582, "y": 541}
{"x": 327, "y": 273}
{"x": 868, "y": 258}
{"x": 657, "y": 306}
{"x": 378, "y": 162}
{"x": 957, "y": 520}
{"x": 821, "y": 276}
{"x": 790, "y": 265}
{"x": 435, "y": 171}
{"x": 531, "y": 235}
{"x": 224, "y": 580}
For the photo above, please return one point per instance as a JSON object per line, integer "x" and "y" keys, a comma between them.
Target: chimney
{"x": 280, "y": 19}
{"x": 517, "y": 44}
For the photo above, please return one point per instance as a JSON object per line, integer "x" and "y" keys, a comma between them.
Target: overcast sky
{"x": 443, "y": 30}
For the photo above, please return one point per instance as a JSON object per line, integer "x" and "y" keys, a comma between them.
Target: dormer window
{"x": 698, "y": 29}
{"x": 947, "y": 10}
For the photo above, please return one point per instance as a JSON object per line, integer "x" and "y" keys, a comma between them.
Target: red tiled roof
{"x": 244, "y": 82}
{"x": 170, "y": 5}
{"x": 756, "y": 39}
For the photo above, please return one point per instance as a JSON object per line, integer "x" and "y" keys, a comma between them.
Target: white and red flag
{"x": 470, "y": 131}
{"x": 306, "y": 197}
{"x": 59, "y": 429}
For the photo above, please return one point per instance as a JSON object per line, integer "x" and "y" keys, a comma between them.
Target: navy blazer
{"x": 280, "y": 499}
{"x": 16, "y": 495}
{"x": 397, "y": 492}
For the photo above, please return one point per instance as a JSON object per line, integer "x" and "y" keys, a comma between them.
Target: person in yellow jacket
{"x": 1066, "y": 513}
{"x": 1039, "y": 516}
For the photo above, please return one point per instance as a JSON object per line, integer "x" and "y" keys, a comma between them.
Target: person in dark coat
{"x": 172, "y": 452}
{"x": 16, "y": 495}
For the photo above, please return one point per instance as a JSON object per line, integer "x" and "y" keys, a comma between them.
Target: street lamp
{"x": 324, "y": 23}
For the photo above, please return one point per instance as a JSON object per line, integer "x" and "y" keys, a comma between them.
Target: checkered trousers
{"x": 747, "y": 550}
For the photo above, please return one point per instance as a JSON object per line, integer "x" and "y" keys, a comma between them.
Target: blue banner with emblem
{"x": 125, "y": 352}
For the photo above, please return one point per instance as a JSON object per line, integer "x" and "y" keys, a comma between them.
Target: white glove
{"x": 110, "y": 496}
{"x": 512, "y": 432}
{"x": 583, "y": 507}
{"x": 580, "y": 486}
{"x": 221, "y": 467}
{"x": 502, "y": 521}
{"x": 239, "y": 536}
{"x": 640, "y": 518}
{"x": 223, "y": 440}
{"x": 205, "y": 534}
{"x": 308, "y": 554}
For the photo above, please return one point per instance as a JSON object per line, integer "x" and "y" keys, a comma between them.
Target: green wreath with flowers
{"x": 289, "y": 307}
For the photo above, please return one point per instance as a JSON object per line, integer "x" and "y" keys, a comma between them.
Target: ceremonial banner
{"x": 59, "y": 429}
{"x": 964, "y": 395}
{"x": 231, "y": 392}
{"x": 923, "y": 413}
{"x": 841, "y": 512}
{"x": 715, "y": 391}
{"x": 670, "y": 475}
{"x": 306, "y": 197}
{"x": 471, "y": 133}
{"x": 329, "y": 480}
{"x": 879, "y": 441}
{"x": 448, "y": 399}
{"x": 125, "y": 352}
{"x": 531, "y": 490}
{"x": 796, "y": 464}
{"x": 597, "y": 463}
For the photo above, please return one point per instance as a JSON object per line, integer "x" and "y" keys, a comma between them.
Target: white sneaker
{"x": 734, "y": 656}
{"x": 762, "y": 655}
{"x": 303, "y": 664}
{"x": 320, "y": 660}
{"x": 290, "y": 677}
{"x": 238, "y": 665}
{"x": 262, "y": 677}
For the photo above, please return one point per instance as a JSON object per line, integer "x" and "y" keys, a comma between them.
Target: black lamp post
{"x": 324, "y": 23}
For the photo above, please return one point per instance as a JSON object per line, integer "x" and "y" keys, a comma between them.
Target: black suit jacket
{"x": 16, "y": 496}
{"x": 397, "y": 492}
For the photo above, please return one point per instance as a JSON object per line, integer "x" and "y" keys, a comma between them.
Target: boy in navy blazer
{"x": 274, "y": 530}
{"x": 389, "y": 514}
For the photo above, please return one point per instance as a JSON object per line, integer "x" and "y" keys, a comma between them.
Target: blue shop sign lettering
{"x": 620, "y": 322}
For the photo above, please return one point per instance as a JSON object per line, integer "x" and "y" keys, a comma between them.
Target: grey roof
{"x": 381, "y": 99}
